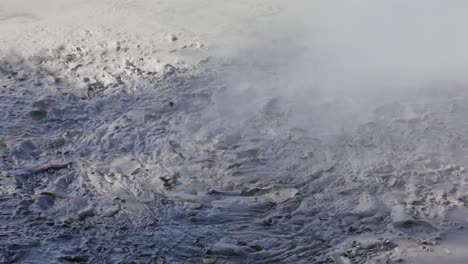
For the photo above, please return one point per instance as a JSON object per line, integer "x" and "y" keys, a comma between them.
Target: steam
{"x": 405, "y": 43}
{"x": 329, "y": 64}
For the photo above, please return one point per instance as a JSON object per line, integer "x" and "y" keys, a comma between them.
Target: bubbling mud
{"x": 171, "y": 172}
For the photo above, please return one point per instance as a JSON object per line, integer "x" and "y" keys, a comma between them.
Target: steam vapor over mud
{"x": 245, "y": 132}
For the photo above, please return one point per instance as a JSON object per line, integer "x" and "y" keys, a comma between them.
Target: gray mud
{"x": 150, "y": 168}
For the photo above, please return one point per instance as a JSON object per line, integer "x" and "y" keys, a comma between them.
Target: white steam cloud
{"x": 329, "y": 63}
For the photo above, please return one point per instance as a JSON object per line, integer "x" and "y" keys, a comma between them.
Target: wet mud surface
{"x": 148, "y": 167}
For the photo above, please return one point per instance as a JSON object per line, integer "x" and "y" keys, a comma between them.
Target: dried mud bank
{"x": 144, "y": 165}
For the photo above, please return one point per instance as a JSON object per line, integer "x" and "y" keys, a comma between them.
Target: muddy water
{"x": 162, "y": 173}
